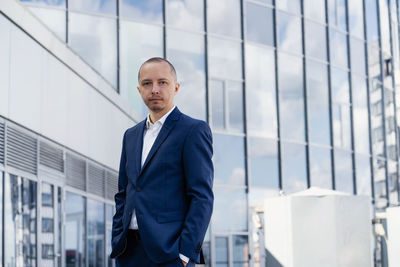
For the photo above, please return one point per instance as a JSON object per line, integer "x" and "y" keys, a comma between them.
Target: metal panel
{"x": 96, "y": 180}
{"x": 21, "y": 151}
{"x": 76, "y": 172}
{"x": 112, "y": 184}
{"x": 51, "y": 157}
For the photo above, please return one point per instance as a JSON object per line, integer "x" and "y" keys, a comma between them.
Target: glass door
{"x": 231, "y": 250}
{"x": 51, "y": 221}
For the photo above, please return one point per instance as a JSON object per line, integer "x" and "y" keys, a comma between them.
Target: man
{"x": 165, "y": 199}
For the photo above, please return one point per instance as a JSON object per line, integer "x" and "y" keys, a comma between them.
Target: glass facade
{"x": 297, "y": 93}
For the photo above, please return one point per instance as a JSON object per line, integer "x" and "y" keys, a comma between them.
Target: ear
{"x": 177, "y": 85}
{"x": 138, "y": 89}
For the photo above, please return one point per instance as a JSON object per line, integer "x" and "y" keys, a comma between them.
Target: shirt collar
{"x": 160, "y": 121}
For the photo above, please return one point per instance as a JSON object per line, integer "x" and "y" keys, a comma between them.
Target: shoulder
{"x": 134, "y": 129}
{"x": 193, "y": 124}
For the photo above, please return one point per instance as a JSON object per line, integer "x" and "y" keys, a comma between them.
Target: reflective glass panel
{"x": 315, "y": 40}
{"x": 259, "y": 24}
{"x": 360, "y": 114}
{"x": 263, "y": 162}
{"x": 314, "y": 10}
{"x": 58, "y": 3}
{"x": 289, "y": 33}
{"x": 223, "y": 17}
{"x": 142, "y": 10}
{"x": 98, "y": 6}
{"x": 47, "y": 213}
{"x": 340, "y": 86}
{"x": 371, "y": 12}
{"x": 261, "y": 91}
{"x": 290, "y": 69}
{"x": 318, "y": 103}
{"x": 185, "y": 14}
{"x": 294, "y": 174}
{"x": 390, "y": 125}
{"x": 230, "y": 210}
{"x": 379, "y": 165}
{"x": 217, "y": 92}
{"x": 109, "y": 217}
{"x": 363, "y": 175}
{"x": 393, "y": 184}
{"x": 356, "y": 19}
{"x": 376, "y": 118}
{"x": 20, "y": 221}
{"x": 320, "y": 167}
{"x": 384, "y": 27}
{"x": 138, "y": 42}
{"x": 240, "y": 247}
{"x": 186, "y": 52}
{"x": 75, "y": 230}
{"x": 229, "y": 159}
{"x": 96, "y": 237}
{"x": 52, "y": 18}
{"x": 235, "y": 106}
{"x": 357, "y": 50}
{"x": 221, "y": 251}
{"x": 338, "y": 48}
{"x": 343, "y": 171}
{"x": 224, "y": 59}
{"x": 341, "y": 126}
{"x": 95, "y": 40}
{"x": 337, "y": 13}
{"x": 293, "y": 6}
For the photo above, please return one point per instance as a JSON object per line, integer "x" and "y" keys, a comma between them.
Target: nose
{"x": 155, "y": 90}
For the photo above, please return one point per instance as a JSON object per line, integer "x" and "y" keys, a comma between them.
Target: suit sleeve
{"x": 117, "y": 226}
{"x": 199, "y": 173}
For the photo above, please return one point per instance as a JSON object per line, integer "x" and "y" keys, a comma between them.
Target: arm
{"x": 117, "y": 227}
{"x": 199, "y": 173}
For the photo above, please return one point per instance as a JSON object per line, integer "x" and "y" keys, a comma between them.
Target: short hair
{"x": 158, "y": 60}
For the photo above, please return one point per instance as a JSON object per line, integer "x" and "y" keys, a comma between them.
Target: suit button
{"x": 138, "y": 189}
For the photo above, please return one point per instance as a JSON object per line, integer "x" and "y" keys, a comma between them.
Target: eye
{"x": 146, "y": 83}
{"x": 163, "y": 82}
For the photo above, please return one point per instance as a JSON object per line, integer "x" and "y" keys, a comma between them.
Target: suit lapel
{"x": 168, "y": 125}
{"x": 139, "y": 148}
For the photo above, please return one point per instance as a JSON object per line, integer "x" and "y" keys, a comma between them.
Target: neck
{"x": 155, "y": 116}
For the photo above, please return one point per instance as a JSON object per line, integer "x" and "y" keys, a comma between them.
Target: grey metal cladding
{"x": 21, "y": 151}
{"x": 51, "y": 157}
{"x": 76, "y": 172}
{"x": 96, "y": 177}
{"x": 112, "y": 184}
{"x": 1, "y": 143}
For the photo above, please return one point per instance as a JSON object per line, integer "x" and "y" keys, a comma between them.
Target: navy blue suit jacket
{"x": 171, "y": 194}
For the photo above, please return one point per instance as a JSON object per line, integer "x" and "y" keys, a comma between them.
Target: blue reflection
{"x": 259, "y": 26}
{"x": 320, "y": 167}
{"x": 102, "y": 6}
{"x": 229, "y": 159}
{"x": 289, "y": 33}
{"x": 343, "y": 171}
{"x": 144, "y": 10}
{"x": 294, "y": 174}
{"x": 46, "y": 2}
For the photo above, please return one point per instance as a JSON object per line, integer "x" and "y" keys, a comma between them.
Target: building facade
{"x": 298, "y": 93}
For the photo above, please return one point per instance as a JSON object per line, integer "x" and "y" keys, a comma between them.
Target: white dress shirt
{"x": 150, "y": 134}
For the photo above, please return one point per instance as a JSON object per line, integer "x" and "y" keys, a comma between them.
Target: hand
{"x": 184, "y": 263}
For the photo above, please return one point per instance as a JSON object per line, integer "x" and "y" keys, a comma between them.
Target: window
{"x": 223, "y": 17}
{"x": 75, "y": 230}
{"x": 259, "y": 24}
{"x": 290, "y": 70}
{"x": 294, "y": 174}
{"x": 315, "y": 39}
{"x": 343, "y": 171}
{"x": 261, "y": 92}
{"x": 227, "y": 105}
{"x": 20, "y": 218}
{"x": 142, "y": 10}
{"x": 185, "y": 14}
{"x": 320, "y": 167}
{"x": 96, "y": 235}
{"x": 289, "y": 32}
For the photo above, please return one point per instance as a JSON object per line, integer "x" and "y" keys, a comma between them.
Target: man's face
{"x": 157, "y": 86}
